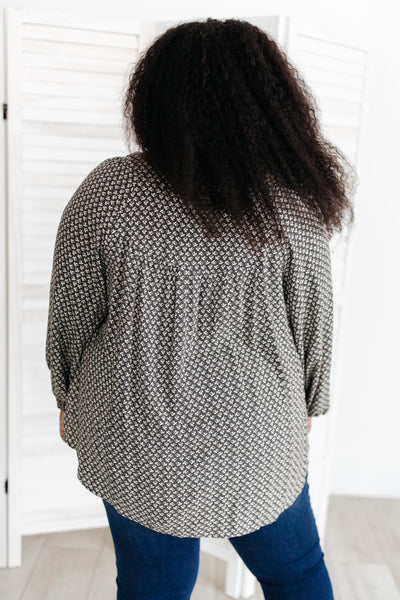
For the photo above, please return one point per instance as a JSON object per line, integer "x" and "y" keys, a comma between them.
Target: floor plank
{"x": 366, "y": 581}
{"x": 362, "y": 554}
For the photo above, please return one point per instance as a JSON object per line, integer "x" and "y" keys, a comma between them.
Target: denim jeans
{"x": 285, "y": 556}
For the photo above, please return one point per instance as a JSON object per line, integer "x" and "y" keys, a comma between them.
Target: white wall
{"x": 367, "y": 453}
{"x": 367, "y": 457}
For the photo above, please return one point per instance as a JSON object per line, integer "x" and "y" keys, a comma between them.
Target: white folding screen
{"x": 66, "y": 75}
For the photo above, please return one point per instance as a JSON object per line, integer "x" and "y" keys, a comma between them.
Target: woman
{"x": 191, "y": 314}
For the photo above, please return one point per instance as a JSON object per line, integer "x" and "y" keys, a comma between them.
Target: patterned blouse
{"x": 187, "y": 367}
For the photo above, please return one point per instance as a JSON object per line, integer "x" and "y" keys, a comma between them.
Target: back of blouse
{"x": 187, "y": 367}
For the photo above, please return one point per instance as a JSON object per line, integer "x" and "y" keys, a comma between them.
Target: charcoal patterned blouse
{"x": 187, "y": 367}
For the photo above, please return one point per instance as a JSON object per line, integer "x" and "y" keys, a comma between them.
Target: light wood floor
{"x": 362, "y": 554}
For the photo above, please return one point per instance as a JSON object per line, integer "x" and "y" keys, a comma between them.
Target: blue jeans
{"x": 285, "y": 556}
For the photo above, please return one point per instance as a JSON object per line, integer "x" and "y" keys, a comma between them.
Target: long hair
{"x": 217, "y": 109}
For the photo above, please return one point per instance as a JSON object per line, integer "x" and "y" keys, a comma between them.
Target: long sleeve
{"x": 309, "y": 299}
{"x": 77, "y": 297}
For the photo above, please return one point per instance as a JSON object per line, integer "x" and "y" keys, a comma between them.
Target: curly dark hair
{"x": 220, "y": 112}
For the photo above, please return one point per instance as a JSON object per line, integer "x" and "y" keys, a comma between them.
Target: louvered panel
{"x": 314, "y": 44}
{"x": 331, "y": 64}
{"x": 341, "y": 119}
{"x": 66, "y": 78}
{"x": 73, "y": 63}
{"x": 339, "y": 106}
{"x": 106, "y": 139}
{"x": 84, "y": 23}
{"x": 73, "y": 35}
{"x": 335, "y": 71}
{"x": 68, "y": 89}
{"x": 336, "y": 74}
{"x": 60, "y": 154}
{"x": 55, "y": 103}
{"x": 65, "y": 179}
{"x": 74, "y": 77}
{"x": 319, "y": 75}
{"x": 54, "y": 115}
{"x": 79, "y": 52}
{"x": 67, "y": 143}
{"x": 332, "y": 91}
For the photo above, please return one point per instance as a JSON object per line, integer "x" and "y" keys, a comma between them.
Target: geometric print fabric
{"x": 187, "y": 367}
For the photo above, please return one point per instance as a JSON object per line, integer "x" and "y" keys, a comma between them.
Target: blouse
{"x": 187, "y": 366}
